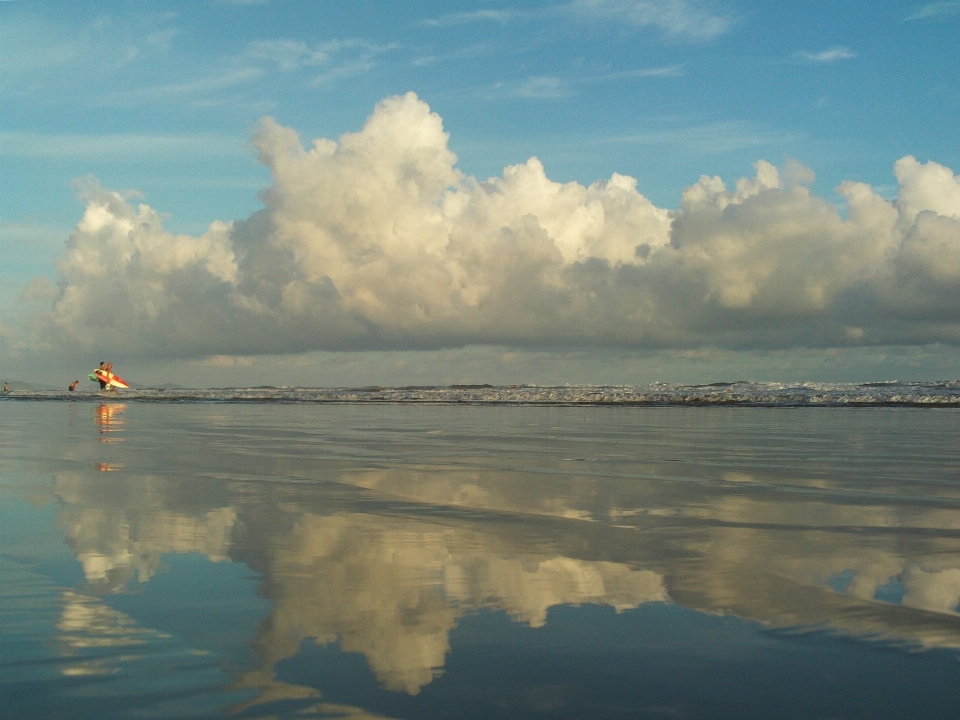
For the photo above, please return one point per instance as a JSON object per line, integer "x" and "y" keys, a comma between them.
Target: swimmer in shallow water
{"x": 73, "y": 386}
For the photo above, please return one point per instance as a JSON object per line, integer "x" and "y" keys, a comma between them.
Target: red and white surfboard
{"x": 110, "y": 379}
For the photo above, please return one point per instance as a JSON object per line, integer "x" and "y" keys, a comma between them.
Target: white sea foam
{"x": 894, "y": 393}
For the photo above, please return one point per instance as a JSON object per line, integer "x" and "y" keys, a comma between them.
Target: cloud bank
{"x": 378, "y": 241}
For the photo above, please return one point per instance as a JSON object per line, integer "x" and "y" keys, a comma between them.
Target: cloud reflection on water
{"x": 393, "y": 586}
{"x": 387, "y": 558}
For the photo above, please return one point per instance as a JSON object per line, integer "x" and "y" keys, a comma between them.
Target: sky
{"x": 378, "y": 193}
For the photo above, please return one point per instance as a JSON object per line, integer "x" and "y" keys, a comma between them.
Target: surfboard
{"x": 109, "y": 378}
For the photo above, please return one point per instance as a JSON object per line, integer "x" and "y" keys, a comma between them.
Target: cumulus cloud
{"x": 378, "y": 241}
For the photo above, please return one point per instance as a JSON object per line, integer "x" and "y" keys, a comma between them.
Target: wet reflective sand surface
{"x": 210, "y": 560}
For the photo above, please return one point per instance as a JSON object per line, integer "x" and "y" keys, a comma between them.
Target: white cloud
{"x": 654, "y": 72}
{"x": 36, "y": 51}
{"x": 378, "y": 242}
{"x": 117, "y": 146}
{"x": 340, "y": 58}
{"x": 39, "y": 290}
{"x": 359, "y": 66}
{"x": 828, "y": 56}
{"x": 541, "y": 87}
{"x": 717, "y": 137}
{"x": 465, "y": 18}
{"x": 935, "y": 10}
{"x": 198, "y": 88}
{"x": 682, "y": 19}
{"x": 461, "y": 53}
{"x": 688, "y": 20}
{"x": 287, "y": 54}
{"x": 549, "y": 87}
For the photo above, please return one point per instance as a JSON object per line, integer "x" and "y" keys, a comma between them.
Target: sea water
{"x": 905, "y": 394}
{"x": 477, "y": 552}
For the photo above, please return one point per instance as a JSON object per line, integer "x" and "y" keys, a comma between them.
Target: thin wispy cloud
{"x": 337, "y": 59}
{"x": 712, "y": 138}
{"x": 161, "y": 40}
{"x": 117, "y": 146}
{"x": 689, "y": 20}
{"x": 935, "y": 10}
{"x": 287, "y": 54}
{"x": 551, "y": 87}
{"x": 680, "y": 19}
{"x": 464, "y": 53}
{"x": 656, "y": 72}
{"x": 228, "y": 79}
{"x": 199, "y": 89}
{"x": 35, "y": 46}
{"x": 535, "y": 87}
{"x": 466, "y": 18}
{"x": 291, "y": 55}
{"x": 360, "y": 66}
{"x": 830, "y": 55}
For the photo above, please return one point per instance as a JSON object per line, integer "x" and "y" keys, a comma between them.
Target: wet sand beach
{"x": 208, "y": 559}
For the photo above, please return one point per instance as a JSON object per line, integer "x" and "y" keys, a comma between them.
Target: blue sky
{"x": 164, "y": 98}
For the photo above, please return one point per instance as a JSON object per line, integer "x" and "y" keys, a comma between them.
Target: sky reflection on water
{"x": 475, "y": 562}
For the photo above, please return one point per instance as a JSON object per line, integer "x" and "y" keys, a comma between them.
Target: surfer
{"x": 73, "y": 385}
{"x": 101, "y": 374}
{"x": 6, "y": 388}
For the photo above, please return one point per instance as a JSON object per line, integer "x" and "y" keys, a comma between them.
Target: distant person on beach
{"x": 73, "y": 385}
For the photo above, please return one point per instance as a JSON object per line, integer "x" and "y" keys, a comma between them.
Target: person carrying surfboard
{"x": 108, "y": 381}
{"x": 101, "y": 376}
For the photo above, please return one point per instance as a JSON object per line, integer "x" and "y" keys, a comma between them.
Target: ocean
{"x": 739, "y": 550}
{"x": 921, "y": 394}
